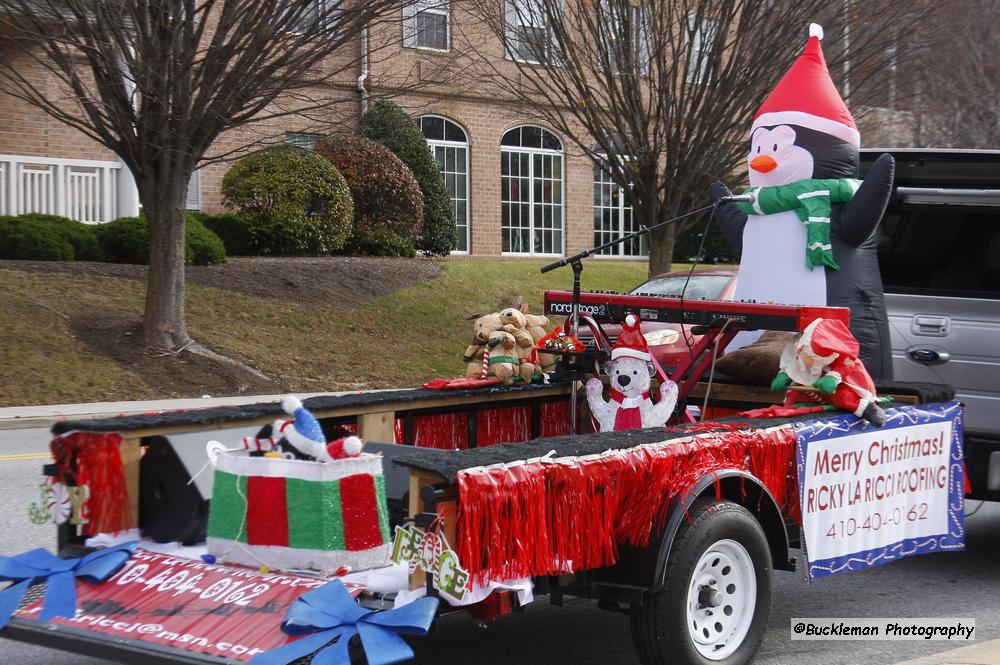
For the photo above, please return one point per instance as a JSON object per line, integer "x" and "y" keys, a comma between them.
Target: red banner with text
{"x": 226, "y": 611}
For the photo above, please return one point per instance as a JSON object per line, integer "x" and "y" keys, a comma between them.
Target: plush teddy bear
{"x": 535, "y": 325}
{"x": 484, "y": 326}
{"x": 514, "y": 321}
{"x": 630, "y": 372}
{"x": 503, "y": 363}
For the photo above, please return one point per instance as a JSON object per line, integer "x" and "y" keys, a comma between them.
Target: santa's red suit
{"x": 825, "y": 355}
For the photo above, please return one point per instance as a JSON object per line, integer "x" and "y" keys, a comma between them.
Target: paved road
{"x": 946, "y": 585}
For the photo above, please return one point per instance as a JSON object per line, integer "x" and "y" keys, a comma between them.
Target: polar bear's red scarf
{"x": 547, "y": 517}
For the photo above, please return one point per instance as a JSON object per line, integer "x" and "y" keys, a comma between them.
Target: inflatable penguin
{"x": 809, "y": 238}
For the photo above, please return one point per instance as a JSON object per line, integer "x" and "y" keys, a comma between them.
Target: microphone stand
{"x": 576, "y": 263}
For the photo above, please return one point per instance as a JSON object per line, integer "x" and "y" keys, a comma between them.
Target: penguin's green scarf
{"x": 811, "y": 200}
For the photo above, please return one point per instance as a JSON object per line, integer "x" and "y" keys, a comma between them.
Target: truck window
{"x": 941, "y": 251}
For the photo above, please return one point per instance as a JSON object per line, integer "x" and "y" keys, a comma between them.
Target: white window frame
{"x": 621, "y": 207}
{"x": 638, "y": 37}
{"x": 411, "y": 11}
{"x": 334, "y": 18}
{"x": 515, "y": 13}
{"x": 531, "y": 152}
{"x": 444, "y": 143}
{"x": 304, "y": 140}
{"x": 192, "y": 197}
{"x": 705, "y": 31}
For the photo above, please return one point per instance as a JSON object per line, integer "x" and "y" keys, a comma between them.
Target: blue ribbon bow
{"x": 331, "y": 612}
{"x": 61, "y": 574}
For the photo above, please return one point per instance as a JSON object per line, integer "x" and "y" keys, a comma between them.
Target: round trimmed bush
{"x": 385, "y": 193}
{"x": 201, "y": 246}
{"x": 382, "y": 242}
{"x": 31, "y": 240}
{"x": 81, "y": 236}
{"x": 390, "y": 125}
{"x": 231, "y": 229}
{"x": 292, "y": 201}
{"x": 126, "y": 240}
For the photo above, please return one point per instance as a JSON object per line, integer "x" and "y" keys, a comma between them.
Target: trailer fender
{"x": 739, "y": 487}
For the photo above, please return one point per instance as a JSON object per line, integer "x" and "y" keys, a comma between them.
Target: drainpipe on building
{"x": 127, "y": 204}
{"x": 364, "y": 71}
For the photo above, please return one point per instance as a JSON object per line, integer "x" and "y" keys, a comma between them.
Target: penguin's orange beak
{"x": 763, "y": 163}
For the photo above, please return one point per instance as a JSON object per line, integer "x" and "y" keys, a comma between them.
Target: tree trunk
{"x": 163, "y": 323}
{"x": 661, "y": 246}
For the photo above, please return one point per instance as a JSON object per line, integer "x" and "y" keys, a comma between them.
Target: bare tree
{"x": 958, "y": 103}
{"x": 158, "y": 81}
{"x": 661, "y": 93}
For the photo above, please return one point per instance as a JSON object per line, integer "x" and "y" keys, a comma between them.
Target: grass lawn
{"x": 398, "y": 340}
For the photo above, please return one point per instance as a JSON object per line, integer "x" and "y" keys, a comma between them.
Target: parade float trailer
{"x": 491, "y": 497}
{"x": 481, "y": 499}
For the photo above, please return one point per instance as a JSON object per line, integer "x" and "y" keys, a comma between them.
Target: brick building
{"x": 517, "y": 187}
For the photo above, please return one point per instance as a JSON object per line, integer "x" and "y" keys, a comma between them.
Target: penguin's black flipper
{"x": 729, "y": 216}
{"x": 854, "y": 221}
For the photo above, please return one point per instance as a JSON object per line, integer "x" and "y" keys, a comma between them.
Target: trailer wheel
{"x": 716, "y": 599}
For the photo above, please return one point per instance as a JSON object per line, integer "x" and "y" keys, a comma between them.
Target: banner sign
{"x": 224, "y": 611}
{"x": 871, "y": 495}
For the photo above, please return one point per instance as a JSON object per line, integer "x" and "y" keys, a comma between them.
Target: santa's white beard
{"x": 802, "y": 375}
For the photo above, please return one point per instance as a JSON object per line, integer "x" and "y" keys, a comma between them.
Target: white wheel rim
{"x": 721, "y": 599}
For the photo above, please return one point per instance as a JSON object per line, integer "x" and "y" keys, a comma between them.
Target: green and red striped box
{"x": 290, "y": 514}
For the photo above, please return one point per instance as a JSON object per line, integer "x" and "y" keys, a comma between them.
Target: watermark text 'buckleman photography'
{"x": 883, "y": 629}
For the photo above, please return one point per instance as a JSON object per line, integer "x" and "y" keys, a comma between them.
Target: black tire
{"x": 660, "y": 626}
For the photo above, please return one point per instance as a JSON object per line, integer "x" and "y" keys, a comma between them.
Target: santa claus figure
{"x": 631, "y": 371}
{"x": 824, "y": 356}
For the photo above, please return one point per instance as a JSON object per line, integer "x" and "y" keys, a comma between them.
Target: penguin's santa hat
{"x": 631, "y": 343}
{"x": 806, "y": 96}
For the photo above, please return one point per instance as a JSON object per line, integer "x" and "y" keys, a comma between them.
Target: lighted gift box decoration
{"x": 300, "y": 502}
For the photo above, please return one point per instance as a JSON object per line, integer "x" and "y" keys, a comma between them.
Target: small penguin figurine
{"x": 303, "y": 433}
{"x": 809, "y": 237}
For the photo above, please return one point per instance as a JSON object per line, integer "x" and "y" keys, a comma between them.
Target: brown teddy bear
{"x": 484, "y": 326}
{"x": 504, "y": 363}
{"x": 536, "y": 325}
{"x": 514, "y": 322}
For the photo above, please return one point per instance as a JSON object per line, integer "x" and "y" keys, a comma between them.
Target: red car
{"x": 670, "y": 342}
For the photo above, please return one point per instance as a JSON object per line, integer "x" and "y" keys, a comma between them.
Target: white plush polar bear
{"x": 631, "y": 404}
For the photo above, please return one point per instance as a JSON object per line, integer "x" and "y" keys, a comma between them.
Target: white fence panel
{"x": 85, "y": 190}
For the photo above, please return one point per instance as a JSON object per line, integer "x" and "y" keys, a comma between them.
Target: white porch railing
{"x": 82, "y": 189}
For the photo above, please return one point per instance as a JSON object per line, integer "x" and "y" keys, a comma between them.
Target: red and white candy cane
{"x": 486, "y": 363}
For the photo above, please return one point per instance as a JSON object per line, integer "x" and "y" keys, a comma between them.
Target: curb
{"x": 24, "y": 417}
{"x": 983, "y": 653}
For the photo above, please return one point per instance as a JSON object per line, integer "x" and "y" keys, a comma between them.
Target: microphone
{"x": 739, "y": 198}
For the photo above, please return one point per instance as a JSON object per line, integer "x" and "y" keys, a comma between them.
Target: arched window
{"x": 613, "y": 217}
{"x": 531, "y": 192}
{"x": 450, "y": 146}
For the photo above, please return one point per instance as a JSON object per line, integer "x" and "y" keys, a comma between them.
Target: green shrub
{"x": 79, "y": 236}
{"x": 382, "y": 242}
{"x": 231, "y": 229}
{"x": 292, "y": 200}
{"x": 388, "y": 124}
{"x": 32, "y": 240}
{"x": 202, "y": 246}
{"x": 385, "y": 193}
{"x": 126, "y": 240}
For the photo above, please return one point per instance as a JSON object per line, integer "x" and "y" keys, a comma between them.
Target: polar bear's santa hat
{"x": 631, "y": 343}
